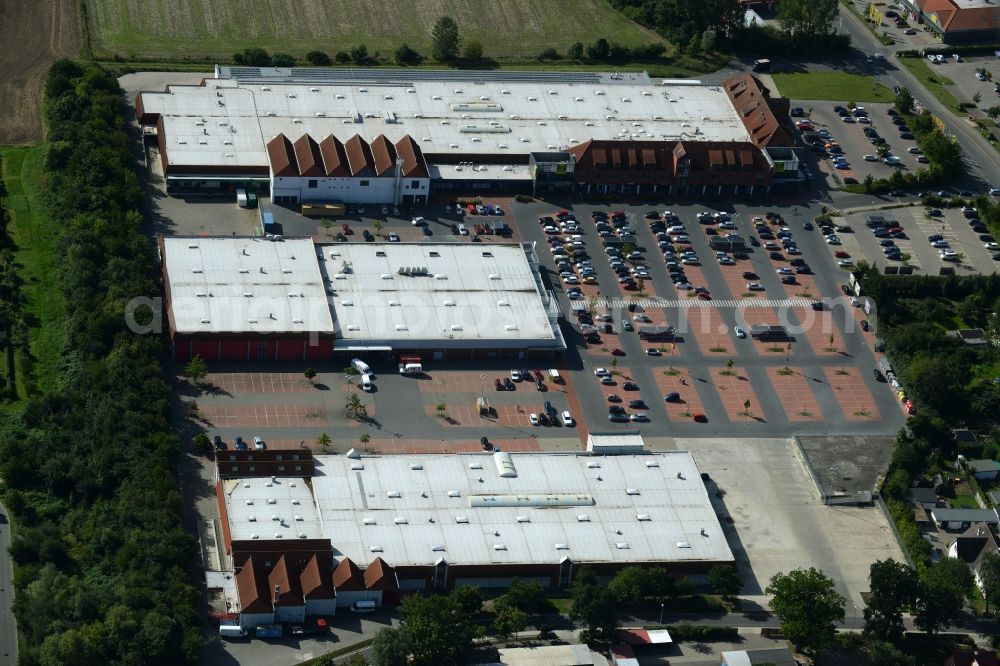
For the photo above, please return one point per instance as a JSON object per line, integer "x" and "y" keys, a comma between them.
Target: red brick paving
{"x": 734, "y": 390}
{"x": 425, "y": 446}
{"x": 853, "y": 396}
{"x": 690, "y": 402}
{"x": 260, "y": 382}
{"x": 818, "y": 327}
{"x": 795, "y": 395}
{"x": 264, "y": 416}
{"x": 766, "y": 317}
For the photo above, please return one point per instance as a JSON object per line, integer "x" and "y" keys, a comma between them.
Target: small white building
{"x": 354, "y": 171}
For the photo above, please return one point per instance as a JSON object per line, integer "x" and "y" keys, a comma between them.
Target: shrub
{"x": 549, "y": 54}
{"x": 317, "y": 58}
{"x": 342, "y": 57}
{"x": 283, "y": 60}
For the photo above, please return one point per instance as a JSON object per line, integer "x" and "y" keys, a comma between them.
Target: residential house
{"x": 973, "y": 545}
{"x": 984, "y": 470}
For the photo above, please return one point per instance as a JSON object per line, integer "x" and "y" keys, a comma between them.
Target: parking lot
{"x": 966, "y": 84}
{"x": 918, "y": 226}
{"x": 855, "y": 145}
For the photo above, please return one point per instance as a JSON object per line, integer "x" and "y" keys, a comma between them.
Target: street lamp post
{"x": 661, "y": 614}
{"x": 483, "y": 377}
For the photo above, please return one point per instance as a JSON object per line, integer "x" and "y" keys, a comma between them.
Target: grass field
{"x": 207, "y": 29}
{"x": 831, "y": 86}
{"x": 934, "y": 83}
{"x": 38, "y": 258}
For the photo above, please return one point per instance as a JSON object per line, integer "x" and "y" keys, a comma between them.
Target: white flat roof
{"x": 462, "y": 292}
{"x": 479, "y": 171}
{"x": 415, "y": 509}
{"x": 227, "y": 285}
{"x": 226, "y": 122}
{"x": 263, "y": 509}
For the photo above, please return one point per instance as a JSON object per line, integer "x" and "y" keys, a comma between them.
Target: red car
{"x": 840, "y": 254}
{"x": 705, "y": 296}
{"x": 617, "y": 352}
{"x": 700, "y": 418}
{"x": 561, "y": 214}
{"x": 347, "y": 229}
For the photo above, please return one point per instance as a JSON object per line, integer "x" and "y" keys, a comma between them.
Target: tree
{"x": 989, "y": 576}
{"x": 977, "y": 98}
{"x": 549, "y": 54}
{"x": 327, "y": 225}
{"x": 593, "y": 605}
{"x": 342, "y": 57}
{"x": 323, "y": 440}
{"x": 359, "y": 54}
{"x": 944, "y": 589}
{"x": 725, "y": 580}
{"x": 407, "y": 56}
{"x": 283, "y": 60}
{"x": 525, "y": 595}
{"x": 317, "y": 58}
{"x": 436, "y": 629}
{"x": 365, "y": 438}
{"x": 377, "y": 225}
{"x": 599, "y": 50}
{"x": 807, "y": 18}
{"x": 310, "y": 373}
{"x": 440, "y": 408}
{"x": 509, "y": 620}
{"x": 631, "y": 584}
{"x": 469, "y": 597}
{"x": 693, "y": 47}
{"x": 575, "y": 51}
{"x": 894, "y": 588}
{"x": 202, "y": 442}
{"x": 904, "y": 101}
{"x": 445, "y": 40}
{"x": 196, "y": 369}
{"x": 886, "y": 654}
{"x": 390, "y": 647}
{"x": 473, "y": 50}
{"x": 807, "y": 604}
{"x": 353, "y": 403}
{"x": 708, "y": 40}
{"x": 253, "y": 57}
{"x": 746, "y": 407}
{"x": 993, "y": 112}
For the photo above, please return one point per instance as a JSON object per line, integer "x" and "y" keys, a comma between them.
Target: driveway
{"x": 8, "y": 626}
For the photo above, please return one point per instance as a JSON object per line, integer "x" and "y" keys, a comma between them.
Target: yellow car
{"x": 590, "y": 279}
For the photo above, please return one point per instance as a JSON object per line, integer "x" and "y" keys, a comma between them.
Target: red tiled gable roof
{"x": 359, "y": 155}
{"x": 380, "y": 576}
{"x": 765, "y": 119}
{"x": 383, "y": 155}
{"x": 414, "y": 165}
{"x": 952, "y": 16}
{"x": 308, "y": 156}
{"x": 315, "y": 581}
{"x": 347, "y": 577}
{"x": 334, "y": 157}
{"x": 282, "y": 156}
{"x": 251, "y": 585}
{"x": 287, "y": 585}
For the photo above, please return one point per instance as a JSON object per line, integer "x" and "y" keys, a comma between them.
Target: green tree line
{"x": 13, "y": 329}
{"x": 90, "y": 471}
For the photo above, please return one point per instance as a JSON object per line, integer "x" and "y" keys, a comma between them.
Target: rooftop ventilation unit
{"x": 400, "y": 521}
{"x": 631, "y": 491}
{"x": 357, "y": 467}
{"x": 393, "y": 494}
{"x": 499, "y": 546}
{"x": 523, "y": 519}
{"x": 462, "y": 520}
{"x": 582, "y": 518}
{"x": 265, "y": 88}
{"x": 438, "y": 549}
{"x": 454, "y": 493}
{"x": 652, "y": 463}
{"x": 375, "y": 549}
{"x": 416, "y": 466}
{"x": 562, "y": 546}
{"x": 683, "y": 544}
{"x": 643, "y": 517}
{"x": 621, "y": 545}
{"x": 369, "y": 521}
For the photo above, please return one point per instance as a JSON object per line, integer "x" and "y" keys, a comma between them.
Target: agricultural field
{"x": 32, "y": 36}
{"x": 208, "y": 30}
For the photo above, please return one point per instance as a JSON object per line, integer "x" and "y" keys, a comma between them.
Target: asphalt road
{"x": 8, "y": 627}
{"x": 982, "y": 160}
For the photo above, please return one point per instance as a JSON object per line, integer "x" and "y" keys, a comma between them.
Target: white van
{"x": 361, "y": 366}
{"x": 462, "y": 230}
{"x": 555, "y": 376}
{"x": 366, "y": 383}
{"x": 232, "y": 631}
{"x": 410, "y": 369}
{"x": 364, "y": 607}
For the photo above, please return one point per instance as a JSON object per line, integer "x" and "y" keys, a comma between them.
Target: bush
{"x": 252, "y": 58}
{"x": 318, "y": 58}
{"x": 282, "y": 60}
{"x": 549, "y": 54}
{"x": 523, "y": 198}
{"x": 406, "y": 56}
{"x": 342, "y": 57}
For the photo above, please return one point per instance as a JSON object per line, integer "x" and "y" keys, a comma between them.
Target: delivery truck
{"x": 268, "y": 631}
{"x": 410, "y": 365}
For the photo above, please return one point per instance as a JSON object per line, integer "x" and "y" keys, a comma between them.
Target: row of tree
{"x": 13, "y": 329}
{"x": 90, "y": 471}
{"x": 805, "y": 26}
{"x": 809, "y": 607}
